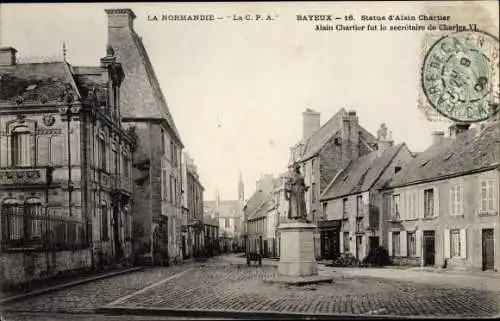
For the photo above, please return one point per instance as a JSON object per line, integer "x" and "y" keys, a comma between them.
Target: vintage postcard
{"x": 249, "y": 160}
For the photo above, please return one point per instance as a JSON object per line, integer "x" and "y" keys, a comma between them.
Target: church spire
{"x": 241, "y": 189}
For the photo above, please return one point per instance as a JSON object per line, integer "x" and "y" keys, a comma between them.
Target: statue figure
{"x": 382, "y": 132}
{"x": 295, "y": 189}
{"x": 110, "y": 52}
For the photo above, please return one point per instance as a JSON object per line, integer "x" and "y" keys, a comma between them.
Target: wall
{"x": 472, "y": 221}
{"x": 19, "y": 267}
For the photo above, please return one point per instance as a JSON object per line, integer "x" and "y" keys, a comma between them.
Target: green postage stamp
{"x": 460, "y": 76}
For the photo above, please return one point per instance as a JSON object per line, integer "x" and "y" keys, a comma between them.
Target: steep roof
{"x": 141, "y": 94}
{"x": 471, "y": 150}
{"x": 261, "y": 201}
{"x": 29, "y": 80}
{"x": 361, "y": 174}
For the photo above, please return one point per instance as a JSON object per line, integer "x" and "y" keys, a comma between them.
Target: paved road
{"x": 240, "y": 288}
{"x": 227, "y": 285}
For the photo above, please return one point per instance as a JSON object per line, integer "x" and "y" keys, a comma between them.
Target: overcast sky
{"x": 237, "y": 90}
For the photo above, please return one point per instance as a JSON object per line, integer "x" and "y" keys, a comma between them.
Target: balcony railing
{"x": 24, "y": 176}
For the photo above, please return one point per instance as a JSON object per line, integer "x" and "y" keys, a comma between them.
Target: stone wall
{"x": 20, "y": 267}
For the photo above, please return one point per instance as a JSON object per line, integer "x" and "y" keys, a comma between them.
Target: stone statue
{"x": 295, "y": 195}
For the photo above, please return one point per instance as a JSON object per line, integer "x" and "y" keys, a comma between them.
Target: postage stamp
{"x": 460, "y": 76}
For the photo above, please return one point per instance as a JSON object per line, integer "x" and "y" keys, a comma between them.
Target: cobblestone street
{"x": 227, "y": 285}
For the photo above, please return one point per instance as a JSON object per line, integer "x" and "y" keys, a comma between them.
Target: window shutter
{"x": 446, "y": 238}
{"x": 4, "y": 151}
{"x": 389, "y": 245}
{"x": 463, "y": 243}
{"x": 418, "y": 241}
{"x": 403, "y": 244}
{"x": 436, "y": 201}
{"x": 461, "y": 200}
{"x": 421, "y": 203}
{"x": 402, "y": 207}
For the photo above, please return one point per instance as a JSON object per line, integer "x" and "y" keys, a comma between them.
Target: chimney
{"x": 120, "y": 18}
{"x": 458, "y": 128}
{"x": 350, "y": 136}
{"x": 310, "y": 122}
{"x": 437, "y": 135}
{"x": 384, "y": 139}
{"x": 7, "y": 56}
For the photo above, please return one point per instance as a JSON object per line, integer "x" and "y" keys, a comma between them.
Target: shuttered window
{"x": 455, "y": 243}
{"x": 487, "y": 196}
{"x": 396, "y": 244}
{"x": 412, "y": 244}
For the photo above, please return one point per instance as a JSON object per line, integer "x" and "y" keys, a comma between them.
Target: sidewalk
{"x": 55, "y": 284}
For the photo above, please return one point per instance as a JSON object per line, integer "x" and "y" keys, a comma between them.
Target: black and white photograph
{"x": 249, "y": 160}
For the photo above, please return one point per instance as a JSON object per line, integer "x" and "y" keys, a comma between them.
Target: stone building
{"x": 441, "y": 209}
{"x": 193, "y": 195}
{"x": 157, "y": 159}
{"x": 65, "y": 167}
{"x": 324, "y": 151}
{"x": 211, "y": 243}
{"x": 351, "y": 202}
{"x": 230, "y": 213}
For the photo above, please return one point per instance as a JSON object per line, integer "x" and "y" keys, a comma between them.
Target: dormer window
{"x": 21, "y": 146}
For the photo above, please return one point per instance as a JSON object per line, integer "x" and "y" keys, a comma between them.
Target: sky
{"x": 237, "y": 89}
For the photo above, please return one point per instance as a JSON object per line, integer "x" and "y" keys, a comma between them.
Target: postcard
{"x": 233, "y": 160}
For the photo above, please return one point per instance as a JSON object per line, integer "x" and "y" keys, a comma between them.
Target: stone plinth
{"x": 297, "y": 257}
{"x": 297, "y": 265}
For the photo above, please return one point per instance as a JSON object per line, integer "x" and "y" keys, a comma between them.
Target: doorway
{"x": 373, "y": 243}
{"x": 488, "y": 249}
{"x": 359, "y": 246}
{"x": 429, "y": 248}
{"x": 116, "y": 234}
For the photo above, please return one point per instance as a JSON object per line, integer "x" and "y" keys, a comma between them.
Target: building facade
{"x": 65, "y": 167}
{"x": 230, "y": 214}
{"x": 193, "y": 193}
{"x": 324, "y": 151}
{"x": 157, "y": 199}
{"x": 442, "y": 208}
{"x": 351, "y": 202}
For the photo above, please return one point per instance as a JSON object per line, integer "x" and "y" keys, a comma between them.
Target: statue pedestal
{"x": 297, "y": 265}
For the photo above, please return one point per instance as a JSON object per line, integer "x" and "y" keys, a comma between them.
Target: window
{"x": 359, "y": 225}
{"x": 172, "y": 151}
{"x": 325, "y": 205}
{"x": 176, "y": 195}
{"x": 313, "y": 192}
{"x": 104, "y": 222}
{"x": 126, "y": 168}
{"x": 346, "y": 242}
{"x": 456, "y": 195}
{"x": 412, "y": 205}
{"x": 171, "y": 189}
{"x": 487, "y": 199}
{"x": 33, "y": 211}
{"x": 359, "y": 205}
{"x": 344, "y": 208}
{"x": 115, "y": 162}
{"x": 429, "y": 202}
{"x": 395, "y": 207}
{"x": 226, "y": 223}
{"x": 455, "y": 243}
{"x": 412, "y": 244}
{"x": 396, "y": 247}
{"x": 102, "y": 154}
{"x": 21, "y": 147}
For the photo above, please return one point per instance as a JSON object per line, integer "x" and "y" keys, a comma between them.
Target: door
{"x": 184, "y": 254}
{"x": 374, "y": 243}
{"x": 488, "y": 249}
{"x": 429, "y": 248}
{"x": 116, "y": 233}
{"x": 359, "y": 245}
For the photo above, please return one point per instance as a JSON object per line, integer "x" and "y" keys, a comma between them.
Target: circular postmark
{"x": 460, "y": 76}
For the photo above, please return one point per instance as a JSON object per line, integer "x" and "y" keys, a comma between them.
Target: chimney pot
{"x": 120, "y": 18}
{"x": 7, "y": 56}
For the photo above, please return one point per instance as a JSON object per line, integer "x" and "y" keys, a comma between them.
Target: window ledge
{"x": 488, "y": 213}
{"x": 430, "y": 218}
{"x": 457, "y": 215}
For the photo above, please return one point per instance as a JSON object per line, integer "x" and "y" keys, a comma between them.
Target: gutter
{"x": 439, "y": 178}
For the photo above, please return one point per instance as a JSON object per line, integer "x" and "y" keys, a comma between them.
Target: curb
{"x": 259, "y": 315}
{"x": 67, "y": 285}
